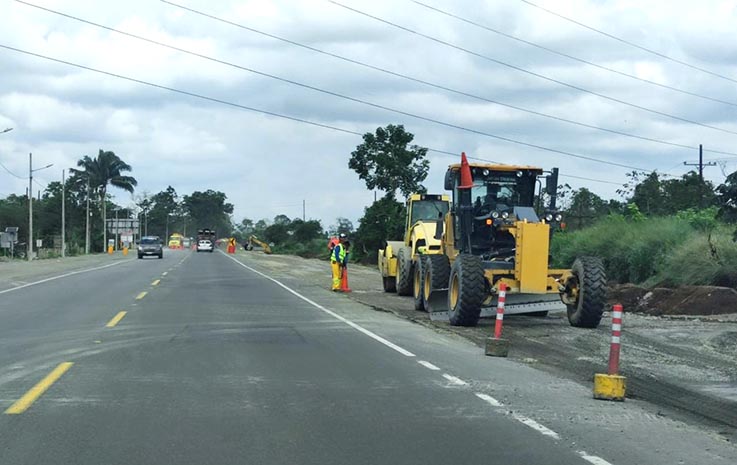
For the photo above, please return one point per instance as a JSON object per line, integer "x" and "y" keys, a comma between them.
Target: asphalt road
{"x": 218, "y": 363}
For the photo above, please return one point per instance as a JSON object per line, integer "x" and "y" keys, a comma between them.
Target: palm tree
{"x": 103, "y": 170}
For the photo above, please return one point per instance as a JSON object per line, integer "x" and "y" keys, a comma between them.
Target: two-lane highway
{"x": 220, "y": 364}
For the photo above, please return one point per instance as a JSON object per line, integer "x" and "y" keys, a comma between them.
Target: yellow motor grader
{"x": 400, "y": 261}
{"x": 493, "y": 235}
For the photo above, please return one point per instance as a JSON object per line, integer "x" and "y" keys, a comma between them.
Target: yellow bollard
{"x": 110, "y": 249}
{"x": 125, "y": 251}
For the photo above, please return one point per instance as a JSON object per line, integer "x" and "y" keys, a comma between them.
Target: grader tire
{"x": 418, "y": 276}
{"x": 589, "y": 275}
{"x": 437, "y": 275}
{"x": 467, "y": 290}
{"x": 404, "y": 271}
{"x": 390, "y": 284}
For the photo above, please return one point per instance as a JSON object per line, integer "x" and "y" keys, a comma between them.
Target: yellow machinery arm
{"x": 255, "y": 240}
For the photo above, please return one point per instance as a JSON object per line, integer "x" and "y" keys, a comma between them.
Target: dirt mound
{"x": 684, "y": 300}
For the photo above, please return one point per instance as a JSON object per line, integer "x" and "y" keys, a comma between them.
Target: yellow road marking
{"x": 116, "y": 319}
{"x": 156, "y": 282}
{"x": 141, "y": 295}
{"x": 22, "y": 404}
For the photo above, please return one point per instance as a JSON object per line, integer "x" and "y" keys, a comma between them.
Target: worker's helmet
{"x": 343, "y": 236}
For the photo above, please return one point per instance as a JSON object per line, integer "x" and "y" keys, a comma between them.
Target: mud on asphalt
{"x": 686, "y": 364}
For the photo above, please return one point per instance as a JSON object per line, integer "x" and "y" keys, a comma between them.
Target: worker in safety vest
{"x": 338, "y": 261}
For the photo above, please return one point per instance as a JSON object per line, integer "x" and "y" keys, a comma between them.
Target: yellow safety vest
{"x": 341, "y": 253}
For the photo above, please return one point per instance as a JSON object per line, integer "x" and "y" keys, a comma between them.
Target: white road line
{"x": 593, "y": 459}
{"x": 428, "y": 365}
{"x": 535, "y": 425}
{"x": 66, "y": 275}
{"x": 490, "y": 400}
{"x": 353, "y": 325}
{"x": 454, "y": 380}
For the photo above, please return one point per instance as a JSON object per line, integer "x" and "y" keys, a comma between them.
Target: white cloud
{"x": 268, "y": 165}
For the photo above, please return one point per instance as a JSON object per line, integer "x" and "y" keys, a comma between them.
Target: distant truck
{"x": 206, "y": 240}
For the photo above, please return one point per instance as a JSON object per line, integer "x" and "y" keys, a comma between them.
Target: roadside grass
{"x": 316, "y": 248}
{"x": 659, "y": 251}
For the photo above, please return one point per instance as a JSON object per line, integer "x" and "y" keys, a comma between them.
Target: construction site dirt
{"x": 686, "y": 364}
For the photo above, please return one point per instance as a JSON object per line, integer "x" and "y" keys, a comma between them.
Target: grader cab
{"x": 493, "y": 235}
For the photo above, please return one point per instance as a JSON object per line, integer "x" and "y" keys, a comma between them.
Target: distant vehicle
{"x": 175, "y": 241}
{"x": 149, "y": 246}
{"x": 205, "y": 245}
{"x": 186, "y": 242}
{"x": 206, "y": 240}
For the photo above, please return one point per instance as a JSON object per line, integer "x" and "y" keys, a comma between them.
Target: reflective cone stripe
{"x": 616, "y": 335}
{"x": 500, "y": 311}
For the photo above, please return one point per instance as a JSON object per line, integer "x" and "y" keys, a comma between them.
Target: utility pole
{"x": 116, "y": 230}
{"x": 87, "y": 223}
{"x": 701, "y": 166}
{"x": 29, "y": 249}
{"x": 303, "y": 210}
{"x": 63, "y": 217}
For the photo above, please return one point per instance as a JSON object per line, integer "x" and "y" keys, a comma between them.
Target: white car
{"x": 205, "y": 245}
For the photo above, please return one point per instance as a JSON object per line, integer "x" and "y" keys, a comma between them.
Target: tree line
{"x": 91, "y": 181}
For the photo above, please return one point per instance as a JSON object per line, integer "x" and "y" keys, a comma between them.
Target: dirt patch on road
{"x": 684, "y": 300}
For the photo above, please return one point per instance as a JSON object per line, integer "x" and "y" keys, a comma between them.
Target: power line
{"x": 328, "y": 92}
{"x": 631, "y": 44}
{"x": 438, "y": 86}
{"x": 257, "y": 110}
{"x": 10, "y": 172}
{"x": 571, "y": 57}
{"x": 531, "y": 73}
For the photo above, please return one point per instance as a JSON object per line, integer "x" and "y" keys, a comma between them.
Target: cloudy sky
{"x": 268, "y": 165}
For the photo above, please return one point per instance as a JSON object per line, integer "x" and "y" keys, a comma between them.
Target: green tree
{"x": 343, "y": 226}
{"x": 383, "y": 220}
{"x": 277, "y": 233}
{"x": 305, "y": 231}
{"x": 106, "y": 169}
{"x": 164, "y": 208}
{"x": 727, "y": 199}
{"x": 209, "y": 209}
{"x": 386, "y": 160}
{"x": 584, "y": 208}
{"x": 687, "y": 192}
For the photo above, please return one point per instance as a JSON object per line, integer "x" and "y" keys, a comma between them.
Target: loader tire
{"x": 590, "y": 277}
{"x": 404, "y": 271}
{"x": 418, "y": 276}
{"x": 437, "y": 275}
{"x": 467, "y": 290}
{"x": 390, "y": 284}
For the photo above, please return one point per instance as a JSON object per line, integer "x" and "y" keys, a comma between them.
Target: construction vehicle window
{"x": 428, "y": 210}
{"x": 492, "y": 192}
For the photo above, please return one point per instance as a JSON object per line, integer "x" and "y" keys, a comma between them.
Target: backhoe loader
{"x": 400, "y": 261}
{"x": 493, "y": 235}
{"x": 254, "y": 241}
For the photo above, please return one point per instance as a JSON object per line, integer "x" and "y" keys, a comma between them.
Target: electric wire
{"x": 383, "y": 107}
{"x": 630, "y": 43}
{"x": 436, "y": 85}
{"x": 531, "y": 73}
{"x": 571, "y": 57}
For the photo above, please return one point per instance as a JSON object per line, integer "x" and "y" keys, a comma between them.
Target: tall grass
{"x": 632, "y": 251}
{"x": 703, "y": 259}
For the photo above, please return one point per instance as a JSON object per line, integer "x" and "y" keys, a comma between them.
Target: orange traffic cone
{"x": 344, "y": 281}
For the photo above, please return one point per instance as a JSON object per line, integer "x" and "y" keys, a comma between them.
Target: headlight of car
{"x": 505, "y": 215}
{"x": 495, "y": 215}
{"x": 549, "y": 217}
{"x": 559, "y": 217}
